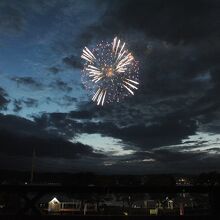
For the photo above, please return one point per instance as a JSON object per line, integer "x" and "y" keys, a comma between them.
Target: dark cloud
{"x": 3, "y": 99}
{"x": 11, "y": 19}
{"x": 27, "y": 81}
{"x": 54, "y": 69}
{"x": 15, "y": 17}
{"x": 17, "y": 105}
{"x": 69, "y": 99}
{"x": 169, "y": 131}
{"x": 73, "y": 61}
{"x": 57, "y": 124}
{"x": 30, "y": 102}
{"x": 61, "y": 85}
{"x": 168, "y": 20}
{"x": 175, "y": 156}
{"x": 20, "y": 138}
{"x": 66, "y": 100}
{"x": 15, "y": 145}
{"x": 81, "y": 114}
{"x": 19, "y": 125}
{"x": 146, "y": 137}
{"x": 24, "y": 102}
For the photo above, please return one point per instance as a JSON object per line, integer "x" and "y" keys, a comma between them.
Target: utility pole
{"x": 32, "y": 165}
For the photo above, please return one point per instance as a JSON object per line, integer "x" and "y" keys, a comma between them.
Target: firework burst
{"x": 110, "y": 72}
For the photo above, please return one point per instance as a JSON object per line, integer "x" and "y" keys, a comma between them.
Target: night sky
{"x": 170, "y": 125}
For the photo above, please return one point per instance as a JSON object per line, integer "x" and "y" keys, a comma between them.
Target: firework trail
{"x": 110, "y": 72}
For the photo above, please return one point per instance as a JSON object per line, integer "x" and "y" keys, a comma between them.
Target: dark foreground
{"x": 28, "y": 197}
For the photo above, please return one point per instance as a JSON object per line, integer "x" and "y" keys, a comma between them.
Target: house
{"x": 54, "y": 205}
{"x": 74, "y": 206}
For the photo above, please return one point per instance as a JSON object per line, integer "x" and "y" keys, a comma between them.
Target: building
{"x": 74, "y": 206}
{"x": 54, "y": 205}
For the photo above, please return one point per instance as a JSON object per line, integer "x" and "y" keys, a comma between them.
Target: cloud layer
{"x": 172, "y": 123}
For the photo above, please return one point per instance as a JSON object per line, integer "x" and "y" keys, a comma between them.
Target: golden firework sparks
{"x": 110, "y": 72}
